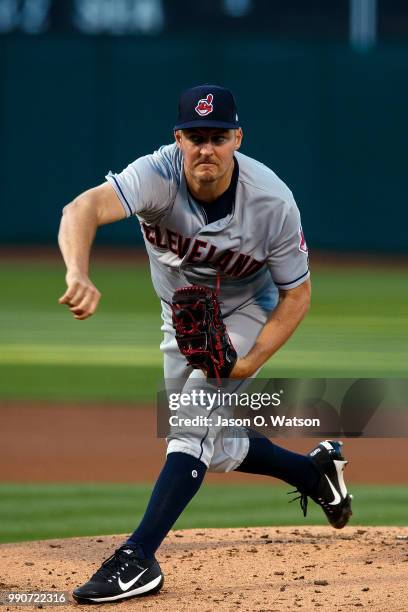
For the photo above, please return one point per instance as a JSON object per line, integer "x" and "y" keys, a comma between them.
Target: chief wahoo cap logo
{"x": 205, "y": 106}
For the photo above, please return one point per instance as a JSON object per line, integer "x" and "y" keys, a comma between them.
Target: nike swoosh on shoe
{"x": 337, "y": 496}
{"x": 126, "y": 585}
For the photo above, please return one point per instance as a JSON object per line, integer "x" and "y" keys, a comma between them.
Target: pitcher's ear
{"x": 238, "y": 138}
{"x": 177, "y": 137}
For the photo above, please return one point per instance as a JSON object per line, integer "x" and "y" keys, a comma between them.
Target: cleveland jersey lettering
{"x": 230, "y": 262}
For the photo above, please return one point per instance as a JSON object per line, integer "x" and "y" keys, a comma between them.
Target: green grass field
{"x": 357, "y": 327}
{"x": 32, "y": 512}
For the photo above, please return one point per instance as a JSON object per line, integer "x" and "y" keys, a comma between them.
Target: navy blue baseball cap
{"x": 206, "y": 105}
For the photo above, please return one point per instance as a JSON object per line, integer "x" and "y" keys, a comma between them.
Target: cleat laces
{"x": 302, "y": 497}
{"x": 110, "y": 569}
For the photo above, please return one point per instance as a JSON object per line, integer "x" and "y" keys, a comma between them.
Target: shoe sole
{"x": 340, "y": 463}
{"x": 342, "y": 520}
{"x": 346, "y": 512}
{"x": 147, "y": 589}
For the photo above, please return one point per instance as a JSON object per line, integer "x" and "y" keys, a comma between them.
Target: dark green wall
{"x": 330, "y": 122}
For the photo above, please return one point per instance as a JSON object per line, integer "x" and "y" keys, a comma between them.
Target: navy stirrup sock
{"x": 179, "y": 481}
{"x": 268, "y": 459}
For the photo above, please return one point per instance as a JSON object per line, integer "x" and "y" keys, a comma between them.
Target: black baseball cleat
{"x": 122, "y": 576}
{"x": 330, "y": 492}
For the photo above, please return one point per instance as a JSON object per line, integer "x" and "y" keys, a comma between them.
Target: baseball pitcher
{"x": 229, "y": 263}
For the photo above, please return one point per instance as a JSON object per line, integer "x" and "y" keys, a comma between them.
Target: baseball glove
{"x": 200, "y": 331}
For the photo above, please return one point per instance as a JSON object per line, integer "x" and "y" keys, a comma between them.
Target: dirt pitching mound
{"x": 256, "y": 569}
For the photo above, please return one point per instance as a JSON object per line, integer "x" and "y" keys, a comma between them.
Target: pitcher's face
{"x": 208, "y": 152}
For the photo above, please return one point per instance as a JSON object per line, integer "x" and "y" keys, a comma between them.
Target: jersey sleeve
{"x": 288, "y": 260}
{"x": 148, "y": 185}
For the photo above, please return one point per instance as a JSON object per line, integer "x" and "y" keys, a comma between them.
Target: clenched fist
{"x": 81, "y": 296}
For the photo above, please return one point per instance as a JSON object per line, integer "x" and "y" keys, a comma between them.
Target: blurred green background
{"x": 330, "y": 121}
{"x": 68, "y": 510}
{"x": 357, "y": 327}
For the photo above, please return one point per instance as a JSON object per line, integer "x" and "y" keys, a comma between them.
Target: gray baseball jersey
{"x": 252, "y": 252}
